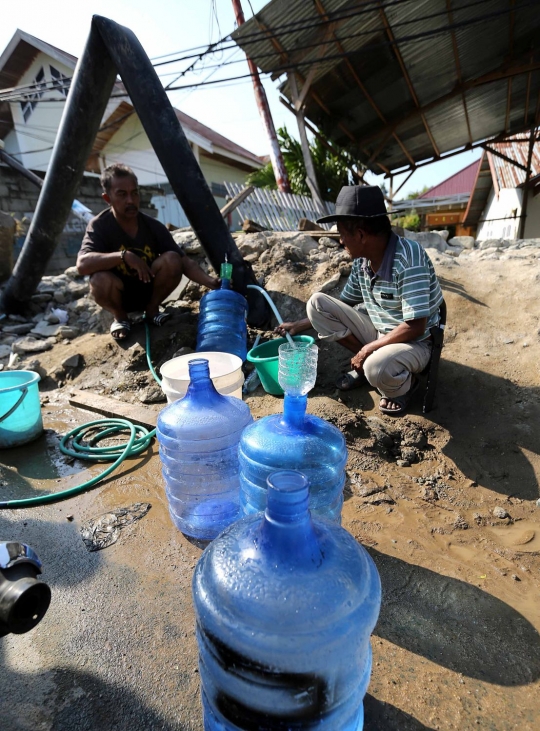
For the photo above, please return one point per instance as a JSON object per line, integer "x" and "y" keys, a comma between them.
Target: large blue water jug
{"x": 285, "y": 607}
{"x": 198, "y": 446}
{"x": 222, "y": 320}
{"x": 293, "y": 440}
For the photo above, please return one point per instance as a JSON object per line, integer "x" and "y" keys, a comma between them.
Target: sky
{"x": 173, "y": 27}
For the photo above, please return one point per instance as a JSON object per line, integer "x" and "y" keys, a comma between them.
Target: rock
{"x": 466, "y": 242}
{"x": 443, "y": 233}
{"x": 403, "y": 463}
{"x": 72, "y": 361}
{"x": 305, "y": 243}
{"x": 21, "y": 329}
{"x": 76, "y": 290}
{"x": 252, "y": 244}
{"x": 16, "y": 318}
{"x": 427, "y": 239}
{"x": 41, "y": 299}
{"x": 31, "y": 345}
{"x": 151, "y": 395}
{"x": 44, "y": 330}
{"x": 499, "y": 512}
{"x": 329, "y": 243}
{"x": 460, "y": 523}
{"x": 538, "y": 503}
{"x": 35, "y": 365}
{"x": 67, "y": 331}
{"x": 61, "y": 296}
{"x": 494, "y": 244}
{"x": 5, "y": 351}
{"x": 329, "y": 284}
{"x": 410, "y": 454}
{"x": 453, "y": 250}
{"x": 415, "y": 438}
{"x": 72, "y": 273}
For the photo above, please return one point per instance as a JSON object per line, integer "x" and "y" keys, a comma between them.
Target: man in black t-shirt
{"x": 133, "y": 261}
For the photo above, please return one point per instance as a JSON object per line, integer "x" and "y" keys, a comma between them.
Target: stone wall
{"x": 18, "y": 198}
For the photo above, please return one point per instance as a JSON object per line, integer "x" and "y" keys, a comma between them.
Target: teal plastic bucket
{"x": 265, "y": 358}
{"x": 20, "y": 410}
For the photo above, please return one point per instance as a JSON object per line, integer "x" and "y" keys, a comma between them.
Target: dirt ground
{"x": 457, "y": 643}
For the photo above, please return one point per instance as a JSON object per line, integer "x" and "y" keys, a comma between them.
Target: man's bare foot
{"x": 386, "y": 403}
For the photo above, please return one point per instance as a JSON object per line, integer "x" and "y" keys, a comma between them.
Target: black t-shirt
{"x": 105, "y": 235}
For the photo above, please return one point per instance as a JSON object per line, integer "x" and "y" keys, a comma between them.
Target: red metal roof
{"x": 459, "y": 183}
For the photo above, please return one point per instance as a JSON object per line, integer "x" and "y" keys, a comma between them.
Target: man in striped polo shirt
{"x": 386, "y": 310}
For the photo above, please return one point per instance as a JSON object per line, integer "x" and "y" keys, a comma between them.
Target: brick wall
{"x": 18, "y": 197}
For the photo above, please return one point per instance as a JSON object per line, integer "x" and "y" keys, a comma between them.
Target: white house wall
{"x": 500, "y": 217}
{"x": 31, "y": 141}
{"x": 532, "y": 222}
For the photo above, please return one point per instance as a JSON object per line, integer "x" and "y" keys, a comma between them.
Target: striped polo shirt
{"x": 405, "y": 287}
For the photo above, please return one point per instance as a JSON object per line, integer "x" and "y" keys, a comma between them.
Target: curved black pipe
{"x": 90, "y": 91}
{"x": 112, "y": 47}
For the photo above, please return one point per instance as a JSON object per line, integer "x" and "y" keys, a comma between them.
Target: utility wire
{"x": 308, "y": 62}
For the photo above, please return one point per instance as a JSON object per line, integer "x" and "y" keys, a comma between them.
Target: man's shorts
{"x": 136, "y": 294}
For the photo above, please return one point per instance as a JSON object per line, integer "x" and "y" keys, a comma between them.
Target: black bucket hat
{"x": 357, "y": 201}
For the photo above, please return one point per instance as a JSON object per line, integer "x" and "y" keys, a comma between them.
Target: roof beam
{"x": 285, "y": 57}
{"x": 502, "y": 72}
{"x": 322, "y": 12}
{"x": 406, "y": 76}
{"x": 458, "y": 66}
{"x": 503, "y": 156}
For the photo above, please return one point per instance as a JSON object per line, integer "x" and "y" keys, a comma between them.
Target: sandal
{"x": 349, "y": 381}
{"x": 120, "y": 329}
{"x": 159, "y": 319}
{"x": 402, "y": 401}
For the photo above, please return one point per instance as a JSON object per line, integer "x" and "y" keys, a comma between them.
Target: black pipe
{"x": 90, "y": 91}
{"x": 177, "y": 159}
{"x": 110, "y": 47}
{"x": 16, "y": 165}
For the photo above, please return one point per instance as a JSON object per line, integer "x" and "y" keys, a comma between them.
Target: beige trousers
{"x": 388, "y": 369}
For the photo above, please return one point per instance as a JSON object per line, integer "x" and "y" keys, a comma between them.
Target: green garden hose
{"x": 95, "y": 431}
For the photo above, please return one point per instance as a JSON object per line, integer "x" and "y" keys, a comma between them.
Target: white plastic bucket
{"x": 225, "y": 372}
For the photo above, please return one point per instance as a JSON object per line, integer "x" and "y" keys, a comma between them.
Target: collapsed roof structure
{"x": 403, "y": 83}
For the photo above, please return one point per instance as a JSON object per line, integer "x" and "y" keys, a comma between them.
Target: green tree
{"x": 333, "y": 170}
{"x": 417, "y": 193}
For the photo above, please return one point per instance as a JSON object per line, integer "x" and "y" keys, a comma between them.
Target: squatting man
{"x": 133, "y": 261}
{"x": 387, "y": 307}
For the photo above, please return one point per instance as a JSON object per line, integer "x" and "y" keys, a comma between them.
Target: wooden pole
{"x": 311, "y": 178}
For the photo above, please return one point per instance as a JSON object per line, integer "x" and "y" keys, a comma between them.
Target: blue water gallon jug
{"x": 285, "y": 606}
{"x": 293, "y": 440}
{"x": 198, "y": 446}
{"x": 222, "y": 320}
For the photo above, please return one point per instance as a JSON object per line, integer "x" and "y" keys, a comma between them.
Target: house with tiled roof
{"x": 444, "y": 205}
{"x": 34, "y": 82}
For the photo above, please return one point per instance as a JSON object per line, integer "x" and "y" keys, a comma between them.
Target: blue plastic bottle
{"x": 222, "y": 319}
{"x": 293, "y": 440}
{"x": 285, "y": 607}
{"x": 198, "y": 446}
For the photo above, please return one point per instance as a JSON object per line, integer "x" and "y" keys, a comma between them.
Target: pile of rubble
{"x": 60, "y": 310}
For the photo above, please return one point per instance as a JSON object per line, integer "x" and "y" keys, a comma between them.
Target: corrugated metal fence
{"x": 278, "y": 211}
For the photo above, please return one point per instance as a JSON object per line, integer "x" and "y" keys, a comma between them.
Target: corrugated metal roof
{"x": 461, "y": 182}
{"x": 508, "y": 175}
{"x": 396, "y": 82}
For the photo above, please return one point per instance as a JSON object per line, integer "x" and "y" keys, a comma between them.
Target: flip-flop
{"x": 350, "y": 380}
{"x": 159, "y": 319}
{"x": 120, "y": 329}
{"x": 402, "y": 401}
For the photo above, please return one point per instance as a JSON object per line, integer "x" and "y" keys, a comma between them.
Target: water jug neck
{"x": 294, "y": 410}
{"x": 225, "y": 284}
{"x": 199, "y": 378}
{"x": 287, "y": 531}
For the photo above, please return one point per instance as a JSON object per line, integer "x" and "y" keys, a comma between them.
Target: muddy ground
{"x": 457, "y": 643}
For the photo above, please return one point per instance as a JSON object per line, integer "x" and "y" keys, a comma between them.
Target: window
{"x": 60, "y": 81}
{"x": 31, "y": 100}
{"x": 218, "y": 189}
